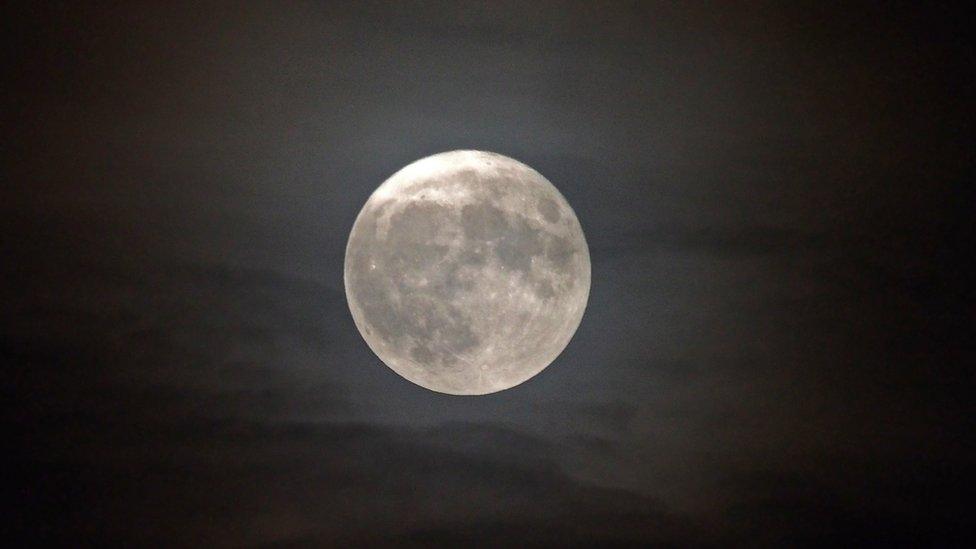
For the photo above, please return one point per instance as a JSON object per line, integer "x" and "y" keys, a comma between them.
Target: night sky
{"x": 779, "y": 340}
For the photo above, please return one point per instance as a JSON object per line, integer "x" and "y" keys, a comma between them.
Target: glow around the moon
{"x": 467, "y": 272}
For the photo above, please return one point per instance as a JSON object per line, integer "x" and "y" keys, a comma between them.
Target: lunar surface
{"x": 467, "y": 272}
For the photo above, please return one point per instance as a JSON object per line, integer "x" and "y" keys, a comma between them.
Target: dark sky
{"x": 777, "y": 348}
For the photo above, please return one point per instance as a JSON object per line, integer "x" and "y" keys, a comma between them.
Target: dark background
{"x": 777, "y": 348}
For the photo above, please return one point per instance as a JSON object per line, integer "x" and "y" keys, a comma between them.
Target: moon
{"x": 467, "y": 272}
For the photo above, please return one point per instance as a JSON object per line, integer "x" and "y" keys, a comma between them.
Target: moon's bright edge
{"x": 467, "y": 272}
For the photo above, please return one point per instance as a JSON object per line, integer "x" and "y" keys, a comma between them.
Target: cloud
{"x": 814, "y": 506}
{"x": 730, "y": 241}
{"x": 187, "y": 404}
{"x": 234, "y": 483}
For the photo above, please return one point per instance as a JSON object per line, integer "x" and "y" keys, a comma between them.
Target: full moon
{"x": 467, "y": 272}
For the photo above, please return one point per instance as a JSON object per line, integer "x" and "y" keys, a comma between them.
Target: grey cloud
{"x": 732, "y": 241}
{"x": 339, "y": 483}
{"x": 778, "y": 201}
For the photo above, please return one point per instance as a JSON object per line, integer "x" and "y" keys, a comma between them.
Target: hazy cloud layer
{"x": 777, "y": 202}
